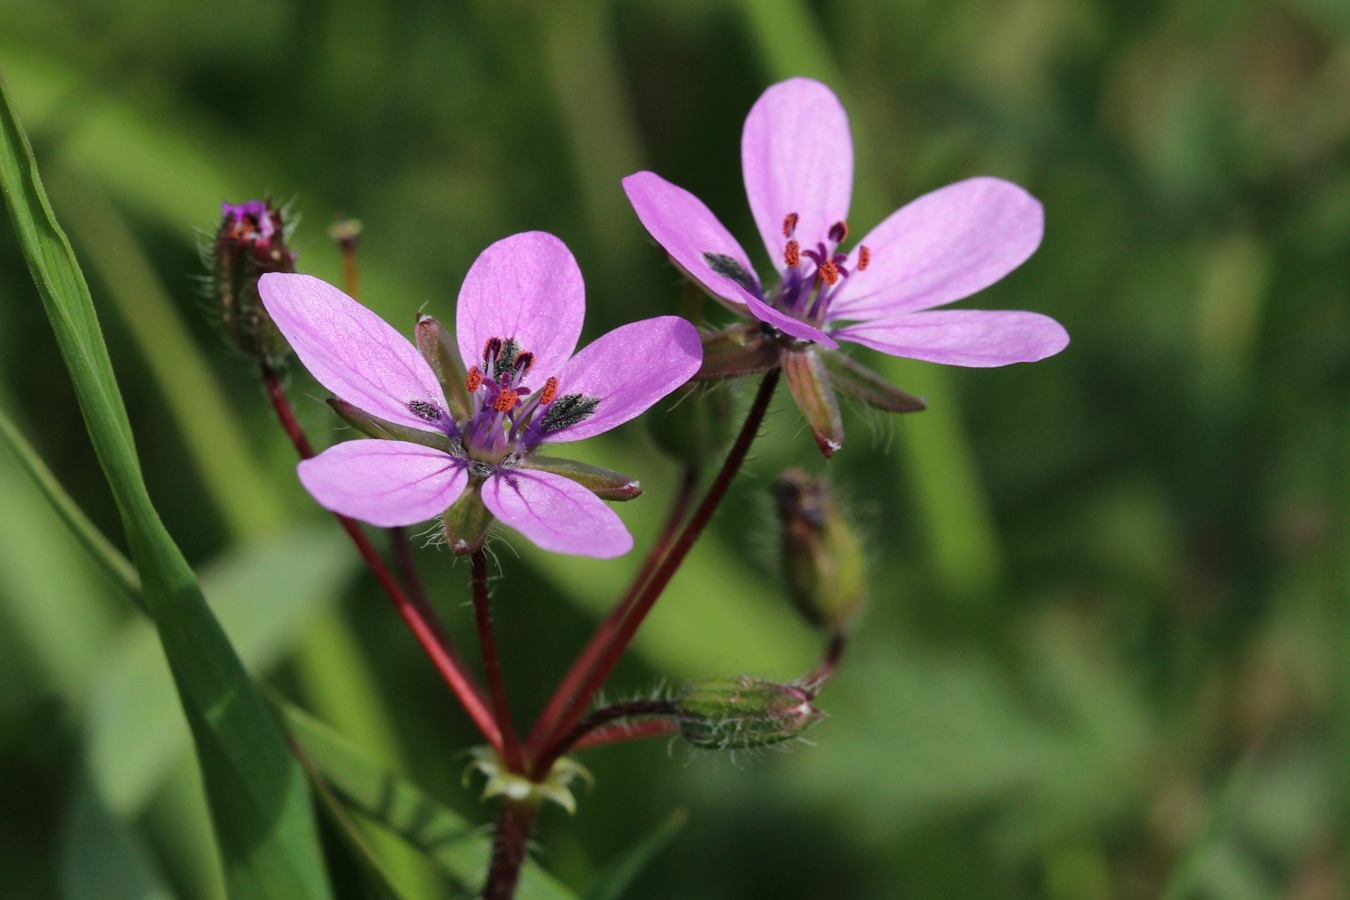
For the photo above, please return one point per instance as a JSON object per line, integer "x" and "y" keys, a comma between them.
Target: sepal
{"x": 374, "y": 426}
{"x": 466, "y": 523}
{"x": 604, "y": 483}
{"x": 501, "y": 782}
{"x": 809, "y": 382}
{"x": 743, "y": 349}
{"x": 852, "y": 379}
{"x": 822, "y": 556}
{"x": 439, "y": 349}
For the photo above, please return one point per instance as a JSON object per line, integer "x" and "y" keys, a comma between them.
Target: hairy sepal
{"x": 809, "y": 382}
{"x": 439, "y": 349}
{"x": 374, "y": 426}
{"x": 852, "y": 379}
{"x": 742, "y": 349}
{"x": 466, "y": 523}
{"x": 604, "y": 483}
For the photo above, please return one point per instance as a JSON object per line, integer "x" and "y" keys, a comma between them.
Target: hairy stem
{"x": 665, "y": 570}
{"x": 419, "y": 616}
{"x": 614, "y": 713}
{"x": 515, "y": 820}
{"x": 492, "y": 664}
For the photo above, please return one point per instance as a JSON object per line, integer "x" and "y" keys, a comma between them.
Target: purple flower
{"x": 465, "y": 444}
{"x": 797, "y": 156}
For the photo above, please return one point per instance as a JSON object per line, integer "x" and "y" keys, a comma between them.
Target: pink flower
{"x": 797, "y": 157}
{"x": 468, "y": 448}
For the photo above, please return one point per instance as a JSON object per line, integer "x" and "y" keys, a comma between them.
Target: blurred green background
{"x": 1108, "y": 654}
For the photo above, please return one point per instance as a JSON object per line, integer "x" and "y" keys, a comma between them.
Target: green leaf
{"x": 458, "y": 846}
{"x": 618, "y": 876}
{"x": 259, "y": 796}
{"x": 100, "y": 857}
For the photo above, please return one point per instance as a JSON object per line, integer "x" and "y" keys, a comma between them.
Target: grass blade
{"x": 618, "y": 876}
{"x": 258, "y": 793}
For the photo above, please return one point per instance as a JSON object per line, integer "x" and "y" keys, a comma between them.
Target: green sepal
{"x": 604, "y": 483}
{"x": 502, "y": 782}
{"x": 742, "y": 349}
{"x": 852, "y": 379}
{"x": 374, "y": 426}
{"x": 809, "y": 381}
{"x": 467, "y": 521}
{"x": 438, "y": 348}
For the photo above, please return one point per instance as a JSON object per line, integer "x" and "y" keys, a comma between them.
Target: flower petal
{"x": 941, "y": 247}
{"x": 350, "y": 350}
{"x": 785, "y": 323}
{"x": 557, "y": 514}
{"x": 527, "y": 287}
{"x": 797, "y": 154}
{"x": 628, "y": 370}
{"x": 962, "y": 337}
{"x": 385, "y": 483}
{"x": 687, "y": 230}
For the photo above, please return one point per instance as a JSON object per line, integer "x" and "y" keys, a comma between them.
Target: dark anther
{"x": 425, "y": 411}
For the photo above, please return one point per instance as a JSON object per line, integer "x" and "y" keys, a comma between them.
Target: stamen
{"x": 864, "y": 258}
{"x": 793, "y": 254}
{"x": 524, "y": 362}
{"x": 474, "y": 381}
{"x": 506, "y": 401}
{"x": 549, "y": 392}
{"x": 425, "y": 411}
{"x": 829, "y": 271}
{"x": 492, "y": 349}
{"x": 790, "y": 224}
{"x": 839, "y": 232}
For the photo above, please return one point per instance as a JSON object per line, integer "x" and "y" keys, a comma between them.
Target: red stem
{"x": 576, "y": 676}
{"x": 669, "y": 565}
{"x": 834, "y": 652}
{"x": 515, "y": 820}
{"x": 627, "y": 710}
{"x": 614, "y": 734}
{"x": 492, "y": 664}
{"x": 420, "y": 618}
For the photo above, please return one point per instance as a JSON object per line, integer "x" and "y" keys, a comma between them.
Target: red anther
{"x": 864, "y": 258}
{"x": 524, "y": 362}
{"x": 549, "y": 392}
{"x": 839, "y": 231}
{"x": 506, "y": 401}
{"x": 474, "y": 381}
{"x": 793, "y": 254}
{"x": 829, "y": 271}
{"x": 492, "y": 349}
{"x": 790, "y": 224}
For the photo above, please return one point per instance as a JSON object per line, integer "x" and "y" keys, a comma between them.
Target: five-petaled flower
{"x": 797, "y": 156}
{"x": 463, "y": 442}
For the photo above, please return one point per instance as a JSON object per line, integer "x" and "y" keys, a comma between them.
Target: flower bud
{"x": 742, "y": 712}
{"x": 250, "y": 242}
{"x": 822, "y": 555}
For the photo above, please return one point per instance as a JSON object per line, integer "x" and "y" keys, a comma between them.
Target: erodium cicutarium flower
{"x": 797, "y": 156}
{"x": 463, "y": 442}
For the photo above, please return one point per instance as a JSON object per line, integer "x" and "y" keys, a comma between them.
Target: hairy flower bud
{"x": 742, "y": 712}
{"x": 249, "y": 243}
{"x": 822, "y": 554}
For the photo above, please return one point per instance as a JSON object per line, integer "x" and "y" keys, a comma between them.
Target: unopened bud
{"x": 822, "y": 554}
{"x": 742, "y": 712}
{"x": 250, "y": 242}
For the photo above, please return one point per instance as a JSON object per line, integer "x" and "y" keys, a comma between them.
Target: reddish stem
{"x": 576, "y": 676}
{"x": 834, "y": 652}
{"x": 666, "y": 570}
{"x": 420, "y": 618}
{"x": 492, "y": 664}
{"x": 614, "y": 734}
{"x": 604, "y": 716}
{"x": 515, "y": 820}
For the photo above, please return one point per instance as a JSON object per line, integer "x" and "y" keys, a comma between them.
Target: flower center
{"x": 814, "y": 274}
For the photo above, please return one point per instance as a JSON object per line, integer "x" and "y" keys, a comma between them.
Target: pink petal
{"x": 525, "y": 287}
{"x": 556, "y": 513}
{"x": 942, "y": 247}
{"x": 628, "y": 370}
{"x": 797, "y": 154}
{"x": 350, "y": 350}
{"x": 385, "y": 483}
{"x": 962, "y": 337}
{"x": 785, "y": 323}
{"x": 686, "y": 229}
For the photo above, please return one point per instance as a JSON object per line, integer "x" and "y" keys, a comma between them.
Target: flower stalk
{"x": 492, "y": 666}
